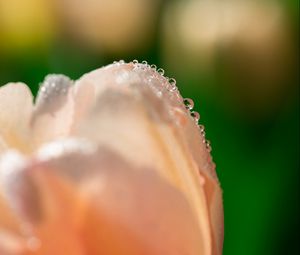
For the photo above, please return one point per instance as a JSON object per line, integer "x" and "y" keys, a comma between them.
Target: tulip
{"x": 113, "y": 163}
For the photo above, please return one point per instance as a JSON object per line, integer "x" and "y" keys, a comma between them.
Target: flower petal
{"x": 138, "y": 113}
{"x": 43, "y": 207}
{"x": 16, "y": 104}
{"x": 11, "y": 242}
{"x": 92, "y": 198}
{"x": 53, "y": 111}
{"x": 145, "y": 145}
{"x": 3, "y": 145}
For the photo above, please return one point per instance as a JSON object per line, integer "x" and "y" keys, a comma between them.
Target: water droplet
{"x": 196, "y": 116}
{"x": 208, "y": 146}
{"x": 154, "y": 67}
{"x": 171, "y": 84}
{"x": 189, "y": 103}
{"x": 202, "y": 128}
{"x": 172, "y": 81}
{"x": 161, "y": 71}
{"x": 144, "y": 62}
{"x": 173, "y": 88}
{"x": 135, "y": 61}
{"x": 121, "y": 61}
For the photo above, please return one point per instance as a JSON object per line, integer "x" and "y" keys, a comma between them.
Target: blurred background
{"x": 238, "y": 60}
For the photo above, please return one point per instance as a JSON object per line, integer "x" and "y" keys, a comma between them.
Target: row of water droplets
{"x": 170, "y": 84}
{"x": 189, "y": 104}
{"x": 158, "y": 73}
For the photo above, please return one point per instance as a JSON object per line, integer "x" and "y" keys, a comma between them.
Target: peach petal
{"x": 3, "y": 145}
{"x": 16, "y": 105}
{"x": 137, "y": 211}
{"x": 160, "y": 102}
{"x": 153, "y": 129}
{"x": 146, "y": 173}
{"x": 12, "y": 164}
{"x": 88, "y": 199}
{"x": 10, "y": 244}
{"x": 145, "y": 221}
{"x": 53, "y": 113}
{"x": 44, "y": 208}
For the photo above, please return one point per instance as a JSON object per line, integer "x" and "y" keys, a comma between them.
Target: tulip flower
{"x": 113, "y": 163}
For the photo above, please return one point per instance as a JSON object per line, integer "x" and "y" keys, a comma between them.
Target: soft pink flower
{"x": 112, "y": 164}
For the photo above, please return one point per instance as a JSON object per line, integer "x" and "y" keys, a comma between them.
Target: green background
{"x": 256, "y": 151}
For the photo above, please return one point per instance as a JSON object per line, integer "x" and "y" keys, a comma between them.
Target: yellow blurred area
{"x": 103, "y": 25}
{"x": 26, "y": 24}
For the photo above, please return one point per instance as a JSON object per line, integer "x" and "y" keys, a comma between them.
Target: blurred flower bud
{"x": 112, "y": 26}
{"x": 248, "y": 42}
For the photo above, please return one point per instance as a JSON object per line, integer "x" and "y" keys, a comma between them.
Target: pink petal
{"x": 146, "y": 145}
{"x": 16, "y": 104}
{"x": 97, "y": 202}
{"x": 136, "y": 112}
{"x": 53, "y": 113}
{"x": 3, "y": 145}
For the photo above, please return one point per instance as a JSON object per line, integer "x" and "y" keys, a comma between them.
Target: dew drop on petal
{"x": 172, "y": 81}
{"x": 203, "y": 133}
{"x": 202, "y": 128}
{"x": 208, "y": 146}
{"x": 154, "y": 67}
{"x": 189, "y": 103}
{"x": 173, "y": 88}
{"x": 195, "y": 115}
{"x": 161, "y": 71}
